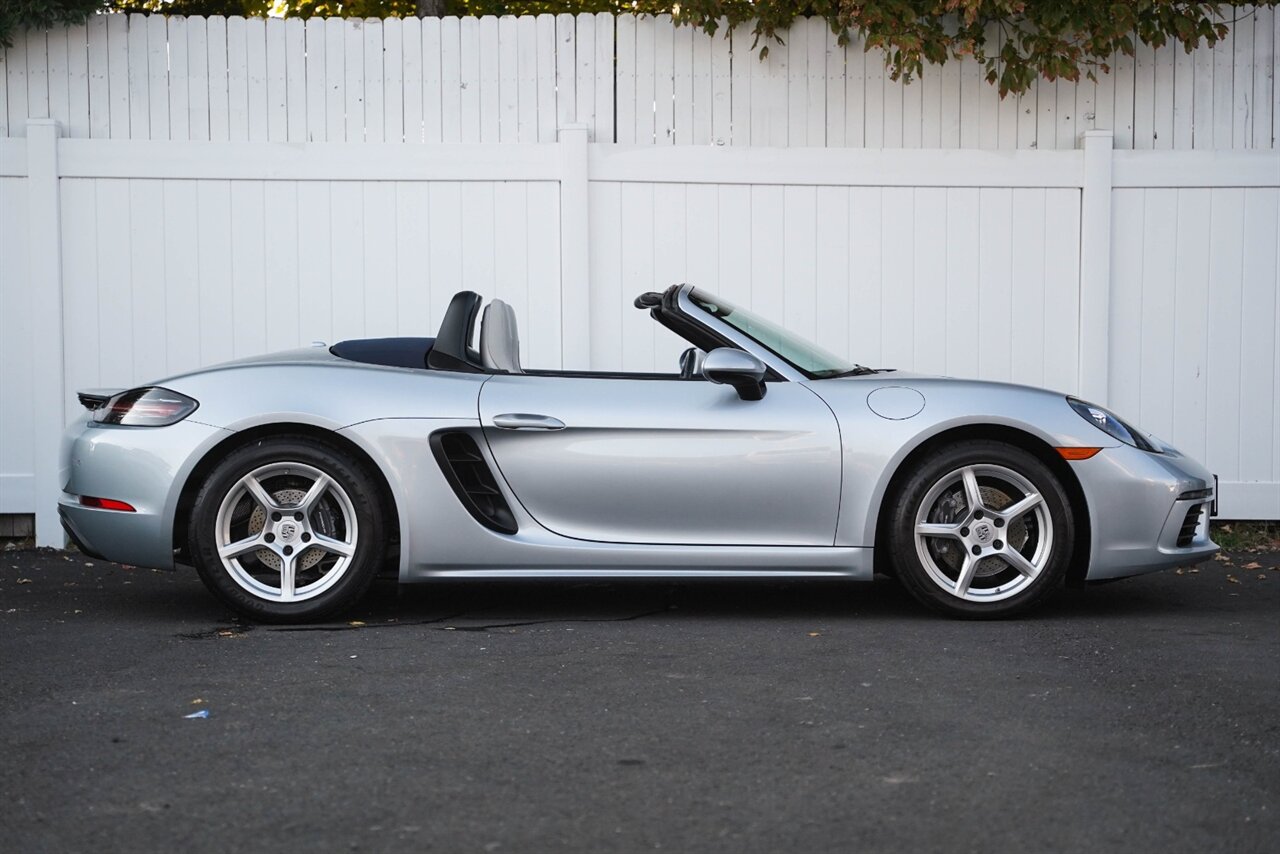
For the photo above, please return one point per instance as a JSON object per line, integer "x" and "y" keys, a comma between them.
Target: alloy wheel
{"x": 983, "y": 533}
{"x": 286, "y": 532}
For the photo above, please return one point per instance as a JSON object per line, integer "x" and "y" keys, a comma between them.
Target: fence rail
{"x": 629, "y": 79}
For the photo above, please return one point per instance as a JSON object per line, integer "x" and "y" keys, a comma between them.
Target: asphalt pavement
{"x": 722, "y": 717}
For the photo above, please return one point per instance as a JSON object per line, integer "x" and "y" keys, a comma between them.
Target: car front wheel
{"x": 982, "y": 529}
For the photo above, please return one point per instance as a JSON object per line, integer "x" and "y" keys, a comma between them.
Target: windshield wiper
{"x": 855, "y": 371}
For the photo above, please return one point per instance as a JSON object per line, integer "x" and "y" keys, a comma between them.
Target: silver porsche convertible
{"x": 291, "y": 481}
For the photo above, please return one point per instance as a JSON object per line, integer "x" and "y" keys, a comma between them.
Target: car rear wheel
{"x": 982, "y": 529}
{"x": 288, "y": 530}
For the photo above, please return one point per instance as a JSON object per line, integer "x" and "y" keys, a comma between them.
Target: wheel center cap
{"x": 983, "y": 533}
{"x": 287, "y": 531}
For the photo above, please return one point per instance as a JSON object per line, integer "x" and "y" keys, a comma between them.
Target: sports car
{"x": 290, "y": 481}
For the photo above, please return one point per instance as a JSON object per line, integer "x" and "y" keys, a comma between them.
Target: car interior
{"x": 497, "y": 349}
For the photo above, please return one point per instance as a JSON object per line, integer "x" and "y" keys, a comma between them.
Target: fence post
{"x": 1095, "y": 266}
{"x": 575, "y": 224}
{"x": 44, "y": 267}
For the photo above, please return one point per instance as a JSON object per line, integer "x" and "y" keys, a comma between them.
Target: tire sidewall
{"x": 354, "y": 480}
{"x": 939, "y": 464}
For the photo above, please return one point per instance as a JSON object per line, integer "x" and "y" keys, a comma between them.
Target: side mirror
{"x": 737, "y": 368}
{"x": 691, "y": 363}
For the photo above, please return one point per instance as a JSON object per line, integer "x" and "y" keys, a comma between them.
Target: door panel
{"x": 666, "y": 461}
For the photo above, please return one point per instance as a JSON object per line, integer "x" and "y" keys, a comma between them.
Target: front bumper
{"x": 1147, "y": 511}
{"x": 142, "y": 466}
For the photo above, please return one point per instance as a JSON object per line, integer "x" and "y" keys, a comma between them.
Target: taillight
{"x": 106, "y": 504}
{"x": 145, "y": 407}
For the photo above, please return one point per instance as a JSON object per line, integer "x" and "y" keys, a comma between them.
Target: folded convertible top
{"x": 391, "y": 352}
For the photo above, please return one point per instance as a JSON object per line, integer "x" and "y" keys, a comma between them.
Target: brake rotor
{"x": 258, "y": 521}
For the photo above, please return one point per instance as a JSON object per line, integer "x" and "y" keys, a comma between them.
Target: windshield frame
{"x": 842, "y": 367}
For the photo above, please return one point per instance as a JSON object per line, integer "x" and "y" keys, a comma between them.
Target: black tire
{"x": 360, "y": 487}
{"x": 930, "y": 473}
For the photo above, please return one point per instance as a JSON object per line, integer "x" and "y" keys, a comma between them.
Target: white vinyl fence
{"x": 1143, "y": 279}
{"x": 629, "y": 79}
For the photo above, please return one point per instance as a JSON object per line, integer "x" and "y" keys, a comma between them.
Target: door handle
{"x": 527, "y": 421}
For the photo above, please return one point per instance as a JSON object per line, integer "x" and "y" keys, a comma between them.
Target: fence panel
{"x": 17, "y": 369}
{"x": 478, "y": 79}
{"x": 884, "y": 275}
{"x": 249, "y": 266}
{"x": 1194, "y": 354}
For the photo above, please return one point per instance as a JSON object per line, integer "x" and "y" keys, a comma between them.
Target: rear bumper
{"x": 142, "y": 466}
{"x": 140, "y": 539}
{"x": 1139, "y": 504}
{"x": 75, "y": 531}
{"x": 74, "y": 534}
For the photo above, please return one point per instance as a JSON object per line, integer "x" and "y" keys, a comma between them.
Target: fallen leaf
{"x": 1193, "y": 570}
{"x": 24, "y": 580}
{"x": 198, "y": 701}
{"x": 356, "y": 623}
{"x": 1262, "y": 577}
{"x": 1232, "y": 579}
{"x": 1252, "y": 565}
{"x": 1177, "y": 572}
{"x": 814, "y": 634}
{"x": 1221, "y": 557}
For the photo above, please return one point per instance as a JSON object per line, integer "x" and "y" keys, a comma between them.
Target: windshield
{"x": 807, "y": 357}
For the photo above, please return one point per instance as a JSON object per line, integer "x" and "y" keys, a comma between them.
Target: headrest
{"x": 499, "y": 341}
{"x": 451, "y": 351}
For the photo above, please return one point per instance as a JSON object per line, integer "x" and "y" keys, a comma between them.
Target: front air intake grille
{"x": 1188, "y": 531}
{"x": 472, "y": 480}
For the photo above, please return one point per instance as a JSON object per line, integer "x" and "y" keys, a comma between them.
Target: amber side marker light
{"x": 1077, "y": 453}
{"x": 106, "y": 504}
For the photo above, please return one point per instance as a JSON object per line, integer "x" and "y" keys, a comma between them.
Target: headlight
{"x": 1111, "y": 424}
{"x": 145, "y": 407}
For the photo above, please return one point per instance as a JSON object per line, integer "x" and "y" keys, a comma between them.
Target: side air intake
{"x": 472, "y": 480}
